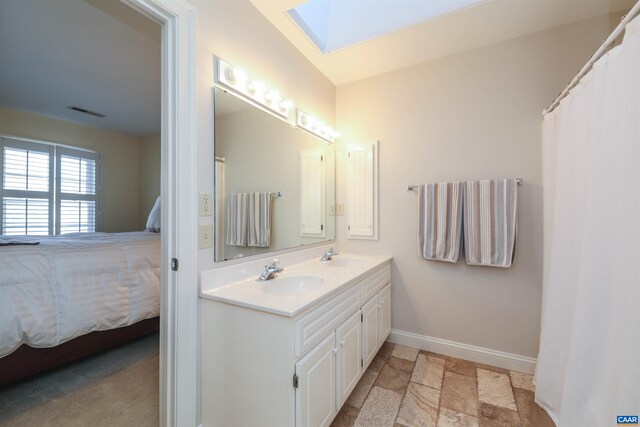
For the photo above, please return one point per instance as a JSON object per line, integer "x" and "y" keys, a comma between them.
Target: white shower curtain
{"x": 588, "y": 369}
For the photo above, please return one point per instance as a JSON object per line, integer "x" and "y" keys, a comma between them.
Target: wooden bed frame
{"x": 27, "y": 361}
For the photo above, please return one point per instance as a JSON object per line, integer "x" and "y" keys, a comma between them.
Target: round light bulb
{"x": 260, "y": 87}
{"x": 230, "y": 76}
{"x": 285, "y": 105}
{"x": 251, "y": 88}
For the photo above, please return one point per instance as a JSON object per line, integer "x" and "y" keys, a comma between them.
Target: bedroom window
{"x": 76, "y": 194}
{"x": 47, "y": 189}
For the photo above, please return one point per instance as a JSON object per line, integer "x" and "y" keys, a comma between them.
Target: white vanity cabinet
{"x": 327, "y": 374}
{"x": 370, "y": 338}
{"x": 348, "y": 352}
{"x": 267, "y": 369}
{"x": 384, "y": 310}
{"x": 376, "y": 324}
{"x": 315, "y": 384}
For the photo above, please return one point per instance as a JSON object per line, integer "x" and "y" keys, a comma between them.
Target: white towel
{"x": 259, "y": 221}
{"x": 491, "y": 222}
{"x": 237, "y": 219}
{"x": 440, "y": 227}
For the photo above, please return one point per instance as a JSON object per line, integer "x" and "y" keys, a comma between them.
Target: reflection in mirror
{"x": 274, "y": 183}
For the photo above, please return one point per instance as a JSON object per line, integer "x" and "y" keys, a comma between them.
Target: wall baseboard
{"x": 465, "y": 351}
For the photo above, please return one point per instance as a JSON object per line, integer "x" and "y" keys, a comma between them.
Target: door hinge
{"x": 349, "y": 154}
{"x": 361, "y": 317}
{"x": 174, "y": 264}
{"x": 321, "y": 158}
{"x": 295, "y": 380}
{"x": 321, "y": 227}
{"x": 349, "y": 227}
{"x": 362, "y": 363}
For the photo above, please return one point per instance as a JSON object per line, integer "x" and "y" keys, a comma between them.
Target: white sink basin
{"x": 292, "y": 285}
{"x": 345, "y": 262}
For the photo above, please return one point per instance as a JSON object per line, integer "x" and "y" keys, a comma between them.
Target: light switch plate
{"x": 205, "y": 204}
{"x": 340, "y": 209}
{"x": 205, "y": 238}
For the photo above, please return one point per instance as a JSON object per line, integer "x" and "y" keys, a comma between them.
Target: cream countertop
{"x": 248, "y": 292}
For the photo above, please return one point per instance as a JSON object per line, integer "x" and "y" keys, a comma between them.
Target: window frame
{"x": 60, "y": 196}
{"x": 55, "y": 151}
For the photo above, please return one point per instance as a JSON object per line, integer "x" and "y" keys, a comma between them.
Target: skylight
{"x": 335, "y": 24}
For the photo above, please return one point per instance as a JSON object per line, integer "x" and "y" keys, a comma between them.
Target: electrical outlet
{"x": 340, "y": 209}
{"x": 205, "y": 237}
{"x": 205, "y": 204}
{"x": 332, "y": 209}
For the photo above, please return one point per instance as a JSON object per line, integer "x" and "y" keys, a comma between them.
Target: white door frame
{"x": 179, "y": 289}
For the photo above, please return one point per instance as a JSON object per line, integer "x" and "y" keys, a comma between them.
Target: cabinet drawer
{"x": 372, "y": 284}
{"x": 320, "y": 321}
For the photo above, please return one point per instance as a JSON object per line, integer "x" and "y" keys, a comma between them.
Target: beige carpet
{"x": 115, "y": 388}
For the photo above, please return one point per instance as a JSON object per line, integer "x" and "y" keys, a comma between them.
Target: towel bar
{"x": 412, "y": 187}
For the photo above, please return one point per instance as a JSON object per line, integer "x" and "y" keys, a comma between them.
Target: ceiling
{"x": 480, "y": 24}
{"x": 99, "y": 55}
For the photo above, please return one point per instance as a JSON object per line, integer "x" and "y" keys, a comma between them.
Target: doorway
{"x": 178, "y": 259}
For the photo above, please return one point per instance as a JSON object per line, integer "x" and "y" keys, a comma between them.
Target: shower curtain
{"x": 588, "y": 370}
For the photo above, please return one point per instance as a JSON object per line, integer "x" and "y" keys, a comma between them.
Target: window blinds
{"x": 27, "y": 201}
{"x": 76, "y": 191}
{"x": 47, "y": 189}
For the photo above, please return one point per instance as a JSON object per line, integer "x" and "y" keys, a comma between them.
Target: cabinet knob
{"x": 335, "y": 350}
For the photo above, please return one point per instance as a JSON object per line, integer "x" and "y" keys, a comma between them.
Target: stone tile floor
{"x": 404, "y": 386}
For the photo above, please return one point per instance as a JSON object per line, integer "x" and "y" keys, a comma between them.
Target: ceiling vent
{"x": 85, "y": 111}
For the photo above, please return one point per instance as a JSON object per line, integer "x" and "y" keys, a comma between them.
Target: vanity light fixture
{"x": 315, "y": 126}
{"x": 236, "y": 80}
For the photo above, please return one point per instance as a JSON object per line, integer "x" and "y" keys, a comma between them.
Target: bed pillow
{"x": 153, "y": 222}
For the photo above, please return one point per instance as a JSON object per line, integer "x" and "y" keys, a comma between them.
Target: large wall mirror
{"x": 274, "y": 183}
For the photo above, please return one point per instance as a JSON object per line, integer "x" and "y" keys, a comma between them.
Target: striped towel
{"x": 491, "y": 222}
{"x": 440, "y": 228}
{"x": 259, "y": 221}
{"x": 237, "y": 219}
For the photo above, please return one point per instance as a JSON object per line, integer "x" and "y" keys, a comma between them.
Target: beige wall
{"x": 119, "y": 199}
{"x": 468, "y": 116}
{"x": 237, "y": 32}
{"x": 149, "y": 175}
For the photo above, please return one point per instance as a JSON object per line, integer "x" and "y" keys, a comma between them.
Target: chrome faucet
{"x": 270, "y": 271}
{"x": 329, "y": 254}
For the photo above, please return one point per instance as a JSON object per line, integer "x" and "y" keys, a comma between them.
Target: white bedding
{"x": 74, "y": 284}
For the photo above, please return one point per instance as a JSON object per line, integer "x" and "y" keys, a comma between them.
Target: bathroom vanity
{"x": 289, "y": 351}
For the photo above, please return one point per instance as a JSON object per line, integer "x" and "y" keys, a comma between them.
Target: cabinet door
{"x": 312, "y": 193}
{"x": 385, "y": 314}
{"x": 362, "y": 192}
{"x": 349, "y": 357}
{"x": 370, "y": 330}
{"x": 316, "y": 391}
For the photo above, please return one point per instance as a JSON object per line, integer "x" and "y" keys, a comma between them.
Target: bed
{"x": 74, "y": 294}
